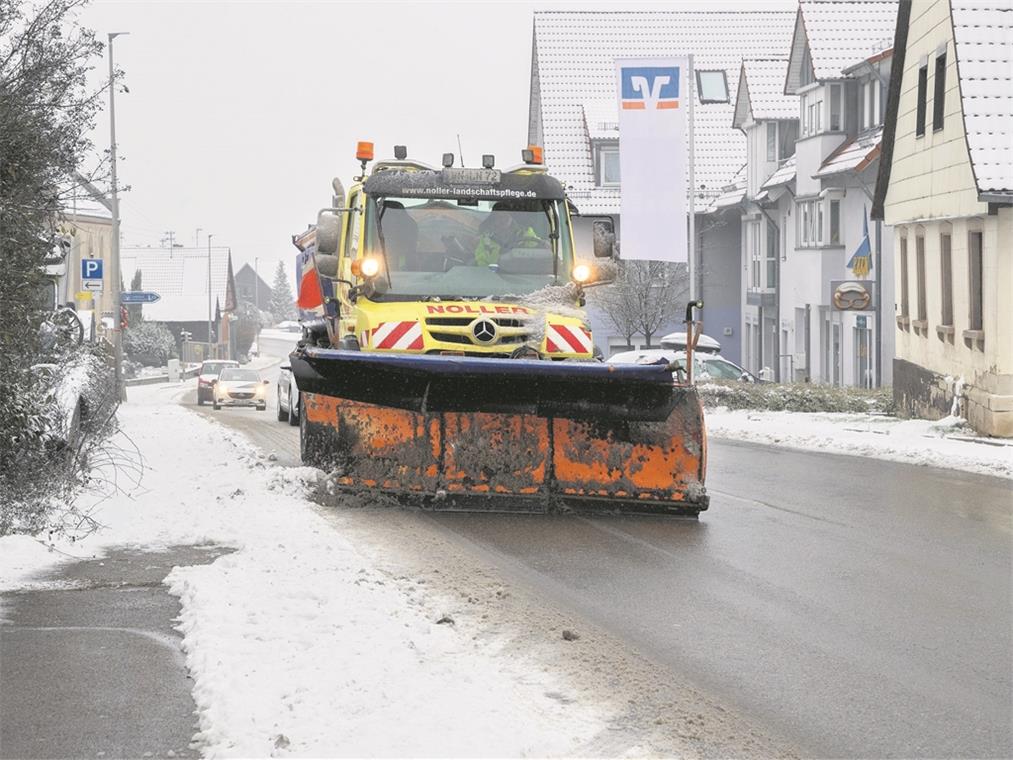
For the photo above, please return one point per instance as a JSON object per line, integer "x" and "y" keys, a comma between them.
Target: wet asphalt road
{"x": 853, "y": 607}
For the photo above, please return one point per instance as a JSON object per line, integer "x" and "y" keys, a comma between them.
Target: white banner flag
{"x": 653, "y": 101}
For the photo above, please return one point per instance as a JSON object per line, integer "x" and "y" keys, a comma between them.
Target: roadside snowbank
{"x": 299, "y": 643}
{"x": 947, "y": 443}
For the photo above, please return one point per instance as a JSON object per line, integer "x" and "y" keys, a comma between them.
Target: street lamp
{"x": 210, "y": 316}
{"x": 114, "y": 248}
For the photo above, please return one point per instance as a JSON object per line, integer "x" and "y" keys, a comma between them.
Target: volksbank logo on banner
{"x": 653, "y": 102}
{"x": 649, "y": 87}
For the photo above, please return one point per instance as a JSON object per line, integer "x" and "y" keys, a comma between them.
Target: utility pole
{"x": 114, "y": 248}
{"x": 210, "y": 315}
{"x": 196, "y": 237}
{"x": 170, "y": 235}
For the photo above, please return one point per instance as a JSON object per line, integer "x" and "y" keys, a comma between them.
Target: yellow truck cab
{"x": 454, "y": 261}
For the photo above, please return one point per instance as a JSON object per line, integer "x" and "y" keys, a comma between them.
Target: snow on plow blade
{"x": 501, "y": 434}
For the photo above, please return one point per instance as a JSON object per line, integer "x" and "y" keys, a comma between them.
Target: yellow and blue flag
{"x": 861, "y": 261}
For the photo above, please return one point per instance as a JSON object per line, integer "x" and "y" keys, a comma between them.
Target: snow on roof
{"x": 601, "y": 120}
{"x": 983, "y": 30}
{"x": 180, "y": 277}
{"x": 731, "y": 194}
{"x": 855, "y": 155}
{"x": 784, "y": 174}
{"x": 839, "y": 33}
{"x": 573, "y": 86}
{"x": 761, "y": 92}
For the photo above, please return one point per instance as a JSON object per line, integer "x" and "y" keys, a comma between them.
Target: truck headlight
{"x": 581, "y": 273}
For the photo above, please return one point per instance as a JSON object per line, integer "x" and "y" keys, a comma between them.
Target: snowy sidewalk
{"x": 298, "y": 642}
{"x": 947, "y": 443}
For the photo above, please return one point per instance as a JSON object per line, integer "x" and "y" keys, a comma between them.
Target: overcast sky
{"x": 240, "y": 113}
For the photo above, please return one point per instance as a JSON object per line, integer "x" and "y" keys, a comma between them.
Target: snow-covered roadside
{"x": 298, "y": 642}
{"x": 946, "y": 443}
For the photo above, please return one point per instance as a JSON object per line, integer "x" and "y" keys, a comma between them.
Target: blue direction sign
{"x": 139, "y": 296}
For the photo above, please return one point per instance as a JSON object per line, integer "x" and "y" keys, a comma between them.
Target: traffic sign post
{"x": 91, "y": 275}
{"x": 139, "y": 296}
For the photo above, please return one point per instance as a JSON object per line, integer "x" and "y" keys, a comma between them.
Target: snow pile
{"x": 947, "y": 443}
{"x": 300, "y": 642}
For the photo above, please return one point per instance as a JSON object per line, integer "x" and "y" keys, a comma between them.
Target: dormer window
{"x": 869, "y": 103}
{"x": 712, "y": 86}
{"x": 607, "y": 164}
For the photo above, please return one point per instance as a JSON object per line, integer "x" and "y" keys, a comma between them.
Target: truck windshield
{"x": 469, "y": 248}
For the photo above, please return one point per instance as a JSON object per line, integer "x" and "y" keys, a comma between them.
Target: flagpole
{"x": 694, "y": 294}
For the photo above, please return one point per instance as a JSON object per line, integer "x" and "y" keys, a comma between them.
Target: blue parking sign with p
{"x": 91, "y": 269}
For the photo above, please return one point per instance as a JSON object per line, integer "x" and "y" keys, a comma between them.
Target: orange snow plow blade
{"x": 509, "y": 462}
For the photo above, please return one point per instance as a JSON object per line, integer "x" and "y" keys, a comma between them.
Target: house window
{"x": 772, "y": 246}
{"x": 810, "y": 219}
{"x": 787, "y": 134}
{"x": 923, "y": 311}
{"x": 939, "y": 93}
{"x": 835, "y": 222}
{"x": 974, "y": 257}
{"x": 836, "y": 109}
{"x": 772, "y": 141}
{"x": 905, "y": 308}
{"x": 608, "y": 166}
{"x": 923, "y": 81}
{"x": 946, "y": 280}
{"x": 712, "y": 86}
{"x": 753, "y": 243}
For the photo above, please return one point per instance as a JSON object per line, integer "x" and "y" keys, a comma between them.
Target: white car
{"x": 240, "y": 387}
{"x": 705, "y": 366}
{"x": 288, "y": 396}
{"x": 209, "y": 372}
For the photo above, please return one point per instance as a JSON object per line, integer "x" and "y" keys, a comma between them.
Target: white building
{"x": 573, "y": 115}
{"x": 805, "y": 210}
{"x": 946, "y": 187}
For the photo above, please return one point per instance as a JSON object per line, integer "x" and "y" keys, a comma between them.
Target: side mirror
{"x": 328, "y": 231}
{"x": 604, "y": 235}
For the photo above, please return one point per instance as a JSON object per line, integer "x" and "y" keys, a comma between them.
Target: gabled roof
{"x": 573, "y": 86}
{"x": 855, "y": 155}
{"x": 983, "y": 30}
{"x": 180, "y": 277}
{"x": 839, "y": 34}
{"x": 761, "y": 92}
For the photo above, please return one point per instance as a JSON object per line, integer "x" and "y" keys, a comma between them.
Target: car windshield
{"x": 469, "y": 248}
{"x": 243, "y": 375}
{"x": 213, "y": 368}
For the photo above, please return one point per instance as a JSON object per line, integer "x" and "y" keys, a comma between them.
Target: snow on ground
{"x": 947, "y": 443}
{"x": 298, "y": 642}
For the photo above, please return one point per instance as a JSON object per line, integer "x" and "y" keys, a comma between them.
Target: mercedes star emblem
{"x": 484, "y": 331}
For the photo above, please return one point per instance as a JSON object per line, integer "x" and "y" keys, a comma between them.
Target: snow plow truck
{"x": 449, "y": 361}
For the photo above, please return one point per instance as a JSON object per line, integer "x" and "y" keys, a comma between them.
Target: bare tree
{"x": 645, "y": 296}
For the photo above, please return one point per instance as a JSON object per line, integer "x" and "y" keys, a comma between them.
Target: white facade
{"x": 947, "y": 188}
{"x": 804, "y": 211}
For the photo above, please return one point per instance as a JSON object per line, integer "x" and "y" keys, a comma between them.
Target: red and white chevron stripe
{"x": 564, "y": 339}
{"x": 398, "y": 336}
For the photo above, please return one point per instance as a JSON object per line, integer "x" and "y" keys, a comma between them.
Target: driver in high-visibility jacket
{"x": 500, "y": 232}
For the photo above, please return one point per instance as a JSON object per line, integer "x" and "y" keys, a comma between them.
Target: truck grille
{"x": 512, "y": 330}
